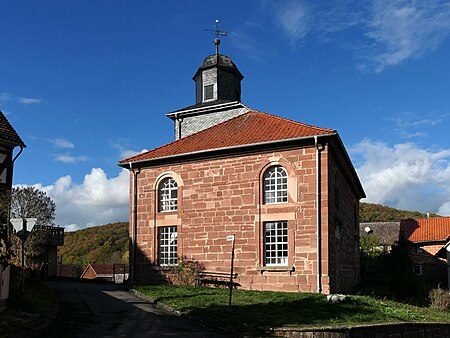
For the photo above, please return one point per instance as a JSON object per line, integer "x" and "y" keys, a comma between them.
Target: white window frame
{"x": 168, "y": 195}
{"x": 275, "y": 185}
{"x": 276, "y": 243}
{"x": 167, "y": 246}
{"x": 204, "y": 92}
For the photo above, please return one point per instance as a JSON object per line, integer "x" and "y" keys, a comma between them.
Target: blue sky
{"x": 87, "y": 83}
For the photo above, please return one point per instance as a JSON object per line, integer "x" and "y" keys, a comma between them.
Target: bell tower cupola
{"x": 217, "y": 93}
{"x": 218, "y": 78}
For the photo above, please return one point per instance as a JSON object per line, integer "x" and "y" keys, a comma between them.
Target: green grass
{"x": 255, "y": 309}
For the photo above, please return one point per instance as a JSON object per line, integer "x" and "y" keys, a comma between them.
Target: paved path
{"x": 105, "y": 310}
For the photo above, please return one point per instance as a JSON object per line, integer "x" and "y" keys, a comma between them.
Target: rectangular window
{"x": 168, "y": 246}
{"x": 417, "y": 268}
{"x": 276, "y": 243}
{"x": 209, "y": 92}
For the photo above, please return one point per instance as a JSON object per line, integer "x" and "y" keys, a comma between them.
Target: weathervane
{"x": 218, "y": 33}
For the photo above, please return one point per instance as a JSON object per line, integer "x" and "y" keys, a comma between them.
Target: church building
{"x": 287, "y": 191}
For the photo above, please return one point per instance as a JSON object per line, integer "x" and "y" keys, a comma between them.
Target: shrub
{"x": 439, "y": 299}
{"x": 185, "y": 273}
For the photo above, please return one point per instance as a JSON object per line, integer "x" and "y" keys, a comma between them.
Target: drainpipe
{"x": 318, "y": 217}
{"x": 178, "y": 127}
{"x": 18, "y": 154}
{"x": 133, "y": 222}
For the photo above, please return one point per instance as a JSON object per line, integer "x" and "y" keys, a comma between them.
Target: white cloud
{"x": 62, "y": 143}
{"x": 67, "y": 158}
{"x": 5, "y": 96}
{"x": 410, "y": 125}
{"x": 28, "y": 100}
{"x": 386, "y": 32}
{"x": 293, "y": 17}
{"x": 405, "y": 176}
{"x": 126, "y": 153}
{"x": 97, "y": 200}
{"x": 403, "y": 29}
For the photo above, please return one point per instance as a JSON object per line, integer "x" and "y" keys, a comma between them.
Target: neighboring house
{"x": 430, "y": 238}
{"x": 9, "y": 139}
{"x": 387, "y": 233}
{"x": 287, "y": 190}
{"x": 117, "y": 273}
{"x": 55, "y": 239}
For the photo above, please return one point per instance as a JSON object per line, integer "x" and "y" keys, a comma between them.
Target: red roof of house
{"x": 426, "y": 229}
{"x": 8, "y": 134}
{"x": 252, "y": 127}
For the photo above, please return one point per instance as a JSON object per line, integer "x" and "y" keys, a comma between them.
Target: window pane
{"x": 276, "y": 243}
{"x": 168, "y": 195}
{"x": 275, "y": 185}
{"x": 168, "y": 245}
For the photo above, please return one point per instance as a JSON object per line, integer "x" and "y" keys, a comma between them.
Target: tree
{"x": 370, "y": 246}
{"x": 32, "y": 202}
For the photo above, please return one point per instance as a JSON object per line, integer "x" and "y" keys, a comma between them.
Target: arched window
{"x": 168, "y": 195}
{"x": 275, "y": 185}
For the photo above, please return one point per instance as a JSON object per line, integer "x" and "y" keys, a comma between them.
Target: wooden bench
{"x": 216, "y": 278}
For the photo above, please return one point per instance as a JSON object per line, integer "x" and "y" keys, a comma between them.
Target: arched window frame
{"x": 168, "y": 195}
{"x": 275, "y": 185}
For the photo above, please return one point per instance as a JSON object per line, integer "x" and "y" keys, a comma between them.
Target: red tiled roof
{"x": 426, "y": 229}
{"x": 250, "y": 128}
{"x": 7, "y": 132}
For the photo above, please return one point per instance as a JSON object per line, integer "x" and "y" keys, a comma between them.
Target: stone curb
{"x": 154, "y": 301}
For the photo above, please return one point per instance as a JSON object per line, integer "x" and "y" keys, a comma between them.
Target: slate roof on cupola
{"x": 220, "y": 60}
{"x": 8, "y": 134}
{"x": 250, "y": 128}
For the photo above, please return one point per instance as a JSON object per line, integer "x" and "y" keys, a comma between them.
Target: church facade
{"x": 287, "y": 191}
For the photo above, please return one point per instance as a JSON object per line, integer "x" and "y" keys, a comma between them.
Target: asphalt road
{"x": 106, "y": 310}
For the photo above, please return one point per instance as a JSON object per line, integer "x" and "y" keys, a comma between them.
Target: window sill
{"x": 165, "y": 267}
{"x": 288, "y": 268}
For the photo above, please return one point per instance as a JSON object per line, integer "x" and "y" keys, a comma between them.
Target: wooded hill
{"x": 109, "y": 243}
{"x": 369, "y": 212}
{"x": 106, "y": 244}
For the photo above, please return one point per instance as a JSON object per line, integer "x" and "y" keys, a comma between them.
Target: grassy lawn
{"x": 254, "y": 309}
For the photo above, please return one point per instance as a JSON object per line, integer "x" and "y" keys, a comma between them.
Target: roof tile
{"x": 250, "y": 128}
{"x": 7, "y": 132}
{"x": 426, "y": 229}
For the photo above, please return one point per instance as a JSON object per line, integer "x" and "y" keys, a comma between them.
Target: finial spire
{"x": 218, "y": 33}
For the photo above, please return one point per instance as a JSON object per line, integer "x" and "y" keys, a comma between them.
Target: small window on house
{"x": 275, "y": 185}
{"x": 168, "y": 195}
{"x": 276, "y": 243}
{"x": 417, "y": 269}
{"x": 337, "y": 196}
{"x": 209, "y": 92}
{"x": 338, "y": 225}
{"x": 167, "y": 239}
